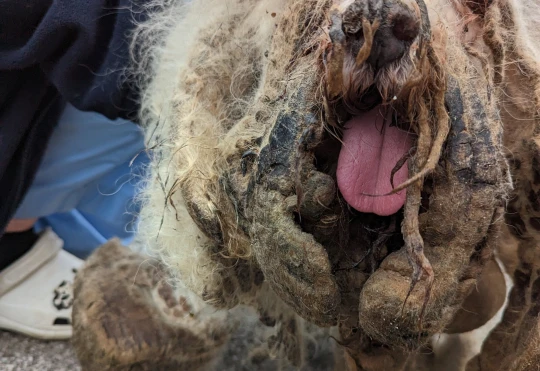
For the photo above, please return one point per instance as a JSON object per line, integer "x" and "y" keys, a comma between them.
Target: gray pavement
{"x": 21, "y": 353}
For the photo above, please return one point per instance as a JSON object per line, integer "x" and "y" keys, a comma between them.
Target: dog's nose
{"x": 393, "y": 39}
{"x": 399, "y": 24}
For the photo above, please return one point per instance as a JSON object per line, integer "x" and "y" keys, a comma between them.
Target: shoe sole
{"x": 43, "y": 334}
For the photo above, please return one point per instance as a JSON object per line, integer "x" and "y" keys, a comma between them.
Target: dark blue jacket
{"x": 53, "y": 51}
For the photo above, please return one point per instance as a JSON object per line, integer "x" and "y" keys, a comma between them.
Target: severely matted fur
{"x": 244, "y": 103}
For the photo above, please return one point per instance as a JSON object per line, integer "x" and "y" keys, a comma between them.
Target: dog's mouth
{"x": 372, "y": 159}
{"x": 367, "y": 161}
{"x": 366, "y": 149}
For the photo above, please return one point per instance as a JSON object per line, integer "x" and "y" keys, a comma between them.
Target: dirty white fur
{"x": 163, "y": 51}
{"x": 526, "y": 16}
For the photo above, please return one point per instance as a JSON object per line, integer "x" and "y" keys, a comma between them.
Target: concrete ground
{"x": 20, "y": 353}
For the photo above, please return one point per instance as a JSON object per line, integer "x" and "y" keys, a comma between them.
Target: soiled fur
{"x": 125, "y": 312}
{"x": 221, "y": 77}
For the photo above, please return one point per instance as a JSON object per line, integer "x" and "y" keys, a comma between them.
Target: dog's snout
{"x": 398, "y": 25}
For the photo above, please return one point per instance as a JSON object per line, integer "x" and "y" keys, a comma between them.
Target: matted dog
{"x": 370, "y": 166}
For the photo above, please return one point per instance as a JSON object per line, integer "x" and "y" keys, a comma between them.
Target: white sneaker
{"x": 36, "y": 292}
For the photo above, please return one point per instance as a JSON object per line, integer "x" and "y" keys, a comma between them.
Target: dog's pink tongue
{"x": 371, "y": 149}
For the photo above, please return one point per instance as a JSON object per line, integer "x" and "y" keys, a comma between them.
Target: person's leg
{"x": 85, "y": 187}
{"x": 20, "y": 225}
{"x": 81, "y": 192}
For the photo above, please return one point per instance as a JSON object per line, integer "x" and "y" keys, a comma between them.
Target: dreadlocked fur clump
{"x": 243, "y": 98}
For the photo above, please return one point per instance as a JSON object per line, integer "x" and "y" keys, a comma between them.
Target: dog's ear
{"x": 478, "y": 7}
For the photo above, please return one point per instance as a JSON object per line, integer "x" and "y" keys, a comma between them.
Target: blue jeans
{"x": 86, "y": 184}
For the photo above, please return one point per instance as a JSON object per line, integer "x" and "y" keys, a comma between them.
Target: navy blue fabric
{"x": 53, "y": 51}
